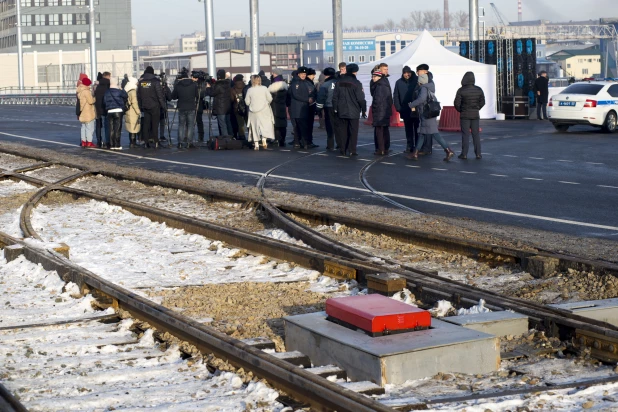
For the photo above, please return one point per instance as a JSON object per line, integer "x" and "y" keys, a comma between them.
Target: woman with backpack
{"x": 429, "y": 126}
{"x": 261, "y": 121}
{"x": 114, "y": 104}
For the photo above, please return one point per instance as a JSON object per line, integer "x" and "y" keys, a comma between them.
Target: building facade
{"x": 580, "y": 64}
{"x": 188, "y": 43}
{"x": 52, "y": 25}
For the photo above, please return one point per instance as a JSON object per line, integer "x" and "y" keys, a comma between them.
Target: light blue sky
{"x": 160, "y": 22}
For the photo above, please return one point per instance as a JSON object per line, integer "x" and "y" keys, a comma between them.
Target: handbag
{"x": 432, "y": 107}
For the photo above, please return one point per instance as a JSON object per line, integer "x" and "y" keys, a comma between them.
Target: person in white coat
{"x": 261, "y": 120}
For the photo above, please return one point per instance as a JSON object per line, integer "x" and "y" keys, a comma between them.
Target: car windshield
{"x": 583, "y": 88}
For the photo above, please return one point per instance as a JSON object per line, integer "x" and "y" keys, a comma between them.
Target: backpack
{"x": 241, "y": 106}
{"x": 432, "y": 107}
{"x": 225, "y": 143}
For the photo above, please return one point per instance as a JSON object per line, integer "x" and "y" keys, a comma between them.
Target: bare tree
{"x": 460, "y": 19}
{"x": 416, "y": 18}
{"x": 361, "y": 28}
{"x": 379, "y": 27}
{"x": 405, "y": 24}
{"x": 390, "y": 24}
{"x": 432, "y": 19}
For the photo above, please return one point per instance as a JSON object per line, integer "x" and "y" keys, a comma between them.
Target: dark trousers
{"x": 102, "y": 130}
{"x": 225, "y": 125}
{"x": 240, "y": 126}
{"x": 151, "y": 125}
{"x": 301, "y": 132}
{"x": 329, "y": 123}
{"x": 199, "y": 120}
{"x": 186, "y": 118}
{"x": 310, "y": 123}
{"x": 348, "y": 133}
{"x": 466, "y": 126}
{"x": 293, "y": 121}
{"x": 411, "y": 124}
{"x": 383, "y": 138}
{"x": 280, "y": 133}
{"x": 114, "y": 124}
{"x": 162, "y": 119}
{"x": 541, "y": 107}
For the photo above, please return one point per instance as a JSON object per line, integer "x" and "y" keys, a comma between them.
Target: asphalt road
{"x": 529, "y": 176}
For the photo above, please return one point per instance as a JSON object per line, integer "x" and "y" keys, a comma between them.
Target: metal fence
{"x": 57, "y": 95}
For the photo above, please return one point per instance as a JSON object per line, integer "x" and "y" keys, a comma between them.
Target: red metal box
{"x": 377, "y": 314}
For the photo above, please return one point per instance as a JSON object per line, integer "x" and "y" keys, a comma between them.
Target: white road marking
{"x": 531, "y": 178}
{"x": 322, "y": 154}
{"x": 343, "y": 157}
{"x": 470, "y": 173}
{"x": 537, "y": 158}
{"x": 435, "y": 168}
{"x": 418, "y": 167}
{"x": 387, "y": 163}
{"x": 509, "y": 156}
{"x": 568, "y": 161}
{"x": 302, "y": 152}
{"x": 364, "y": 160}
{"x": 498, "y": 175}
{"x": 285, "y": 150}
{"x": 568, "y": 183}
{"x": 358, "y": 189}
{"x": 610, "y": 187}
{"x": 594, "y": 163}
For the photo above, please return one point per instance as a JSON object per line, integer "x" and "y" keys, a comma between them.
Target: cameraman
{"x": 199, "y": 78}
{"x": 168, "y": 98}
{"x": 222, "y": 104}
{"x": 187, "y": 93}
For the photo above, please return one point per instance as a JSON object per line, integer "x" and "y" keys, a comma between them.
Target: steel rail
{"x": 9, "y": 403}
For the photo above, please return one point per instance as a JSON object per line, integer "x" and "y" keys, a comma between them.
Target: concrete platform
{"x": 393, "y": 359}
{"x": 495, "y": 323}
{"x": 605, "y": 310}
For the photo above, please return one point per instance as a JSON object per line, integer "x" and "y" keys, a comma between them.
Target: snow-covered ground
{"x": 9, "y": 218}
{"x": 11, "y": 188}
{"x": 92, "y": 366}
{"x": 53, "y": 173}
{"x": 133, "y": 251}
{"x": 10, "y": 162}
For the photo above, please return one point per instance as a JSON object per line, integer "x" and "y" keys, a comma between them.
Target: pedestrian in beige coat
{"x": 133, "y": 115}
{"x": 261, "y": 120}
{"x": 87, "y": 112}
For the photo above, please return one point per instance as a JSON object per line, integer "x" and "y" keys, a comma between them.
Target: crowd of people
{"x": 257, "y": 111}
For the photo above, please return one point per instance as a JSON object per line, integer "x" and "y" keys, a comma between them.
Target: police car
{"x": 585, "y": 103}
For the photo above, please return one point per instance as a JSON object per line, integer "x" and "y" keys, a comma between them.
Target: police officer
{"x": 301, "y": 98}
{"x": 151, "y": 100}
{"x": 349, "y": 102}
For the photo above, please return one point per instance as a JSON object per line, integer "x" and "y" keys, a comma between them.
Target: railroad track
{"x": 283, "y": 376}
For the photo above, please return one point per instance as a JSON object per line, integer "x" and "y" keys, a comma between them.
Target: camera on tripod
{"x": 201, "y": 76}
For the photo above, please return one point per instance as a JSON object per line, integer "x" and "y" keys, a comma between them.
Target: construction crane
{"x": 503, "y": 20}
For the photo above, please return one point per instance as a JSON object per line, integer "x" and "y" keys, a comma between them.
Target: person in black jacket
{"x": 541, "y": 89}
{"x": 125, "y": 80}
{"x": 301, "y": 92}
{"x": 469, "y": 100}
{"x": 404, "y": 93}
{"x": 279, "y": 89}
{"x": 222, "y": 103}
{"x": 325, "y": 103}
{"x": 199, "y": 115}
{"x": 187, "y": 93}
{"x": 167, "y": 93}
{"x": 265, "y": 81}
{"x": 101, "y": 126}
{"x": 381, "y": 108}
{"x": 312, "y": 107}
{"x": 151, "y": 99}
{"x": 348, "y": 103}
{"x": 427, "y": 148}
{"x": 114, "y": 103}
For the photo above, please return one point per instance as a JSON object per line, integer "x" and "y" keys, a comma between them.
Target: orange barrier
{"x": 449, "y": 120}
{"x": 395, "y": 118}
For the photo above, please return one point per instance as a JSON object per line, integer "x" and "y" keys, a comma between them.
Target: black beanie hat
{"x": 310, "y": 71}
{"x": 149, "y": 70}
{"x": 302, "y": 69}
{"x": 422, "y": 67}
{"x": 352, "y": 68}
{"x": 406, "y": 69}
{"x": 329, "y": 71}
{"x": 220, "y": 74}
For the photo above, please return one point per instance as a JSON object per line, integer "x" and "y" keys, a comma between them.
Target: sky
{"x": 160, "y": 23}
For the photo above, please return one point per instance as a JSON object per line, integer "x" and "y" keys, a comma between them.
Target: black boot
{"x": 132, "y": 144}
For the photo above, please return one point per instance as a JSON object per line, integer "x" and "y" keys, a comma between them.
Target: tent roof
{"x": 426, "y": 49}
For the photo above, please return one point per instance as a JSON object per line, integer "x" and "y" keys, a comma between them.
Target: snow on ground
{"x": 10, "y": 162}
{"x": 52, "y": 174}
{"x": 133, "y": 251}
{"x": 9, "y": 223}
{"x": 11, "y": 188}
{"x": 281, "y": 235}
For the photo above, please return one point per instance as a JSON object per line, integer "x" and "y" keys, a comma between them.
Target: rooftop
{"x": 584, "y": 52}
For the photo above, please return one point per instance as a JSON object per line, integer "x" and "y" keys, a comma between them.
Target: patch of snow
{"x": 474, "y": 310}
{"x": 9, "y": 223}
{"x": 281, "y": 235}
{"x": 405, "y": 296}
{"x": 338, "y": 288}
{"x": 441, "y": 309}
{"x": 10, "y": 188}
{"x": 133, "y": 251}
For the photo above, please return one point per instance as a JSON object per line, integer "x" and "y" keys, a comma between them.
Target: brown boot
{"x": 413, "y": 155}
{"x": 449, "y": 154}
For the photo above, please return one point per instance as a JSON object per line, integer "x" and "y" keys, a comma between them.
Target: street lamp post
{"x": 337, "y": 31}
{"x": 255, "y": 36}
{"x": 210, "y": 38}
{"x": 20, "y": 51}
{"x": 93, "y": 44}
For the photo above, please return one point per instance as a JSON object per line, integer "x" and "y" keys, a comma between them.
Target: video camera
{"x": 201, "y": 76}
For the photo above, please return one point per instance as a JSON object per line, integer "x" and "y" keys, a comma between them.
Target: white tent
{"x": 447, "y": 68}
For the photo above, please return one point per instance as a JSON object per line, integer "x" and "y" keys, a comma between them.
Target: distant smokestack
{"x": 519, "y": 13}
{"x": 447, "y": 16}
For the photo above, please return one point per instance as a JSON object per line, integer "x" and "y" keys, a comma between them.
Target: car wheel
{"x": 562, "y": 128}
{"x": 611, "y": 123}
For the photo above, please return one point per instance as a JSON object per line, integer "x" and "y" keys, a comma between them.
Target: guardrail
{"x": 42, "y": 99}
{"x": 14, "y": 90}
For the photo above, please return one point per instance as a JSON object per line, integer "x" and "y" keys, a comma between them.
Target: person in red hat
{"x": 87, "y": 113}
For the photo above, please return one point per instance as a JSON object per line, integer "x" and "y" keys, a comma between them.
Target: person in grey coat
{"x": 429, "y": 127}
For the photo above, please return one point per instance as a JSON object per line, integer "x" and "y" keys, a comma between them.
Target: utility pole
{"x": 93, "y": 44}
{"x": 447, "y": 16}
{"x": 20, "y": 51}
{"x": 474, "y": 20}
{"x": 210, "y": 38}
{"x": 255, "y": 36}
{"x": 337, "y": 31}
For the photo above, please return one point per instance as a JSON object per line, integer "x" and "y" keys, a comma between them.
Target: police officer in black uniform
{"x": 151, "y": 99}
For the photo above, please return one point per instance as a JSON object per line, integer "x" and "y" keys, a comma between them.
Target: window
{"x": 584, "y": 71}
{"x": 583, "y": 88}
{"x": 26, "y": 20}
{"x": 350, "y": 59}
{"x": 52, "y": 3}
{"x": 308, "y": 46}
{"x": 403, "y": 44}
{"x": 26, "y": 3}
{"x": 361, "y": 59}
{"x": 308, "y": 60}
{"x": 68, "y": 38}
{"x": 568, "y": 65}
{"x": 331, "y": 59}
{"x": 613, "y": 90}
{"x": 67, "y": 19}
{"x": 382, "y": 49}
{"x": 48, "y": 74}
{"x": 317, "y": 46}
{"x": 39, "y": 3}
{"x": 441, "y": 42}
{"x": 372, "y": 58}
{"x": 393, "y": 47}
{"x": 81, "y": 37}
{"x": 539, "y": 54}
{"x": 39, "y": 20}
{"x": 317, "y": 60}
{"x": 41, "y": 38}
{"x": 54, "y": 19}
{"x": 81, "y": 18}
{"x": 539, "y": 41}
{"x": 26, "y": 38}
{"x": 54, "y": 38}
